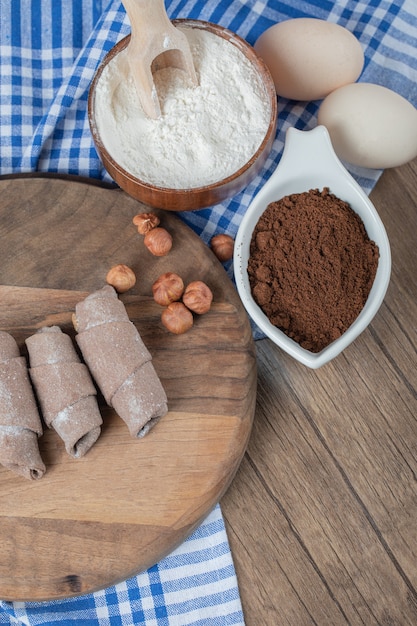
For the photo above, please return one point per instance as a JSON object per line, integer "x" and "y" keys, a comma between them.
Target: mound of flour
{"x": 204, "y": 134}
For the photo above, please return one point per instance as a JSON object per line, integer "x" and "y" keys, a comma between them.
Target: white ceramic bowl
{"x": 309, "y": 162}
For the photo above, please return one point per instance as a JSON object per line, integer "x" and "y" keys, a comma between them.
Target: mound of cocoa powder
{"x": 311, "y": 266}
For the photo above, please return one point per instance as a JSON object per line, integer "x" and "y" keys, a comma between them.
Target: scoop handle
{"x": 147, "y": 17}
{"x": 155, "y": 43}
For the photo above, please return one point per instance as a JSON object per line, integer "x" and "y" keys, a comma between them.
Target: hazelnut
{"x": 198, "y": 297}
{"x": 222, "y": 246}
{"x": 168, "y": 288}
{"x": 158, "y": 241}
{"x": 121, "y": 277}
{"x": 177, "y": 318}
{"x": 145, "y": 222}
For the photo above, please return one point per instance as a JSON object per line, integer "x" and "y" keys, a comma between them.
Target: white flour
{"x": 204, "y": 134}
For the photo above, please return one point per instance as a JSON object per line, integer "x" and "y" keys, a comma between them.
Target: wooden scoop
{"x": 155, "y": 43}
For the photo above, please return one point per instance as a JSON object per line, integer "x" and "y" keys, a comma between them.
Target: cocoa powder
{"x": 311, "y": 266}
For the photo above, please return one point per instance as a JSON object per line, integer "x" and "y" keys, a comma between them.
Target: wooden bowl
{"x": 195, "y": 197}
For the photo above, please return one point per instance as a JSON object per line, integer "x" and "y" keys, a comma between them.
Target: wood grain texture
{"x": 93, "y": 521}
{"x": 322, "y": 515}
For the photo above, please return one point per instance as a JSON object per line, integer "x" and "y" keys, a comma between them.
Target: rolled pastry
{"x": 65, "y": 390}
{"x": 119, "y": 361}
{"x": 20, "y": 422}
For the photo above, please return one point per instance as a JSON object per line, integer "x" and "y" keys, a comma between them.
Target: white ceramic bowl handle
{"x": 308, "y": 151}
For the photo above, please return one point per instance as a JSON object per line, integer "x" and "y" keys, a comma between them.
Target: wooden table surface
{"x": 322, "y": 515}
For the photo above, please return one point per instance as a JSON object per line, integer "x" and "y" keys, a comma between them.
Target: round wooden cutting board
{"x": 92, "y": 522}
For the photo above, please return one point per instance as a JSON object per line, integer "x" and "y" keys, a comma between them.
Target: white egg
{"x": 370, "y": 125}
{"x": 308, "y": 57}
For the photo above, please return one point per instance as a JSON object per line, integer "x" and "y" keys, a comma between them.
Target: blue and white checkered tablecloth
{"x": 50, "y": 50}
